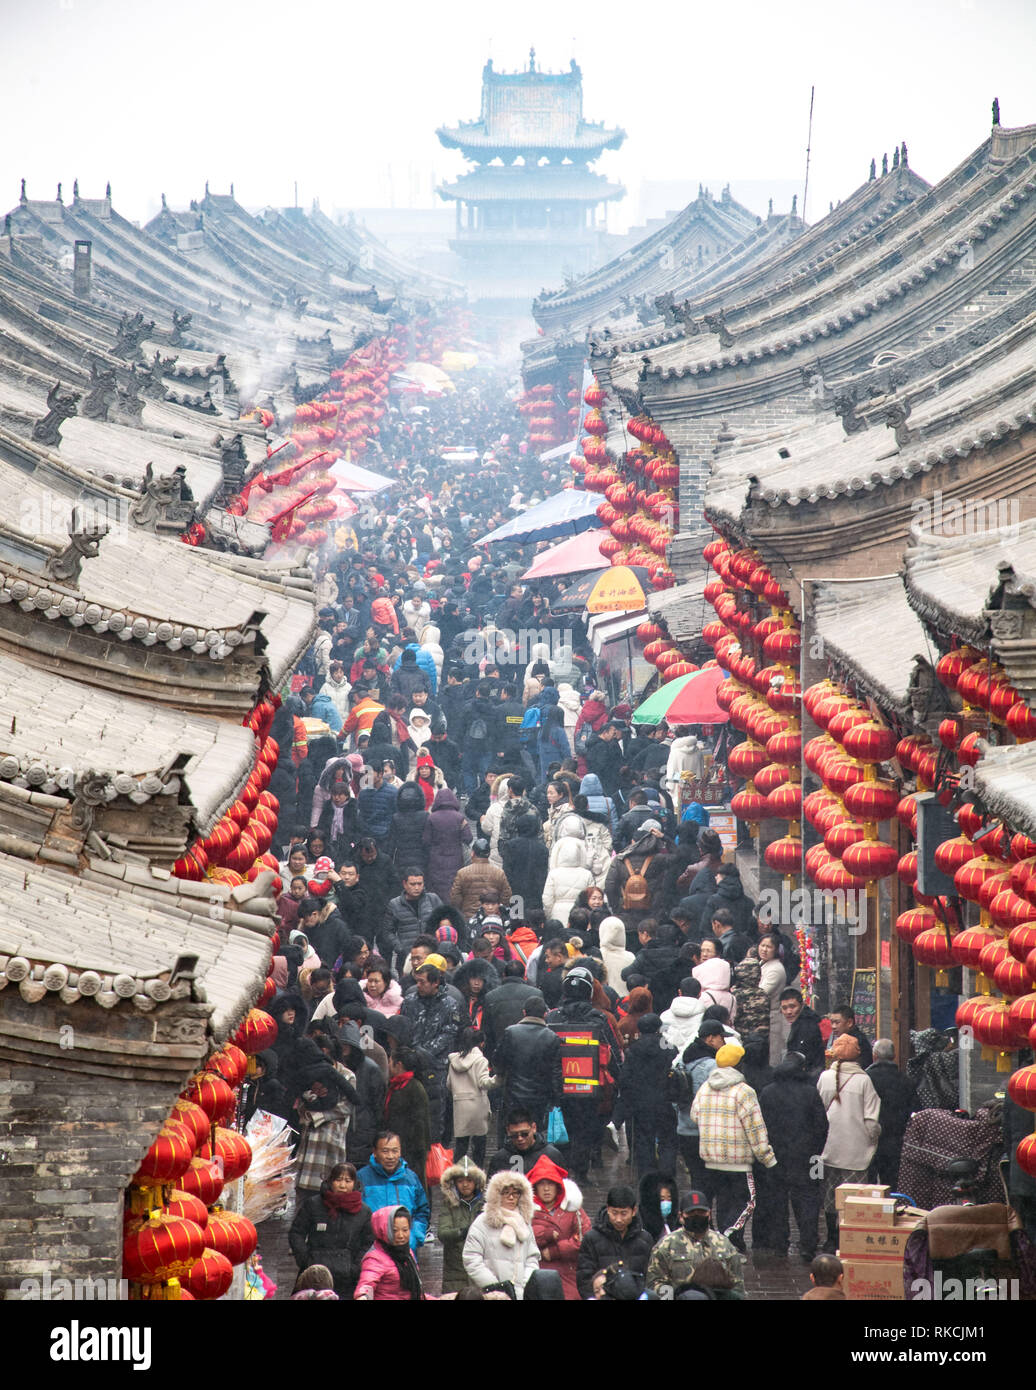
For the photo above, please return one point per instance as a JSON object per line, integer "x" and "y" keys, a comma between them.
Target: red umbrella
{"x": 696, "y": 702}
{"x": 571, "y": 556}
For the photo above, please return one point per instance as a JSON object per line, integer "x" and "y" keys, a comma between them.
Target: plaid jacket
{"x": 730, "y": 1123}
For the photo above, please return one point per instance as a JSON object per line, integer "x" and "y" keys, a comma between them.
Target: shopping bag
{"x": 439, "y": 1159}
{"x": 556, "y": 1131}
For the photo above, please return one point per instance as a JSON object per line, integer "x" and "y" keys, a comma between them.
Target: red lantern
{"x": 749, "y": 806}
{"x": 1022, "y": 1015}
{"x": 971, "y": 875}
{"x": 229, "y": 1062}
{"x": 1021, "y": 941}
{"x": 257, "y": 1033}
{"x": 870, "y": 742}
{"x": 191, "y": 1208}
{"x": 231, "y": 1235}
{"x": 915, "y": 920}
{"x": 233, "y": 1153}
{"x": 784, "y": 856}
{"x": 202, "y": 1180}
{"x": 746, "y": 759}
{"x": 906, "y": 869}
{"x": 784, "y": 802}
{"x": 1011, "y": 978}
{"x": 953, "y": 854}
{"x": 969, "y": 753}
{"x": 210, "y": 1276}
{"x": 872, "y": 801}
{"x": 784, "y": 646}
{"x": 969, "y": 945}
{"x": 1022, "y": 722}
{"x": 992, "y": 1027}
{"x": 168, "y": 1157}
{"x": 933, "y": 948}
{"x": 212, "y": 1093}
{"x": 871, "y": 859}
{"x": 770, "y": 777}
{"x": 161, "y": 1248}
{"x": 1025, "y": 1153}
{"x": 194, "y": 1118}
{"x": 1022, "y": 1087}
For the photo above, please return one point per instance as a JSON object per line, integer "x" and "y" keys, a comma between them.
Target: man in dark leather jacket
{"x": 529, "y": 1056}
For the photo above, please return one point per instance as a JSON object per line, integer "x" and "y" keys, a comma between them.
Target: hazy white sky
{"x": 160, "y": 95}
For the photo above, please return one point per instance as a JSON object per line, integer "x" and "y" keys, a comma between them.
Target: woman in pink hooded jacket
{"x": 389, "y": 1271}
{"x": 714, "y": 977}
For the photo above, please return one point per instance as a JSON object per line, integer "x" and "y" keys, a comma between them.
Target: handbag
{"x": 439, "y": 1159}
{"x": 556, "y": 1131}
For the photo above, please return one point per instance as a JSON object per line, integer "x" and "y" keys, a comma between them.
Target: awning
{"x": 567, "y": 513}
{"x": 356, "y": 479}
{"x": 605, "y": 627}
{"x": 572, "y": 556}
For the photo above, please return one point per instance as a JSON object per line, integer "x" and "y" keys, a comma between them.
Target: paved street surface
{"x": 765, "y": 1278}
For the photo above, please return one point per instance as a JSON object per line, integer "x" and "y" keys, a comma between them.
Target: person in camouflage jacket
{"x": 676, "y": 1257}
{"x": 753, "y": 1005}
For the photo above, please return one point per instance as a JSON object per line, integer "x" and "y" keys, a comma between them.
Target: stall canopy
{"x": 578, "y": 553}
{"x": 565, "y": 514}
{"x": 688, "y": 699}
{"x": 356, "y": 479}
{"x": 616, "y": 589}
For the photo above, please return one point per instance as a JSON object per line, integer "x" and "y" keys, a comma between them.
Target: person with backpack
{"x": 509, "y": 745}
{"x": 553, "y": 740}
{"x": 635, "y": 877}
{"x": 643, "y": 1102}
{"x": 476, "y": 737}
{"x": 658, "y": 961}
{"x": 588, "y": 1043}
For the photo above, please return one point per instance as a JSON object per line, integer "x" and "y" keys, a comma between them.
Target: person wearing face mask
{"x": 676, "y": 1257}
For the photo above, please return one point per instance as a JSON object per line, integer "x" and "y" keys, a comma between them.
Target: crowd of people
{"x": 506, "y": 936}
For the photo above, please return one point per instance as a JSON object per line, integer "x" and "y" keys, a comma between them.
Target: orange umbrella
{"x": 618, "y": 589}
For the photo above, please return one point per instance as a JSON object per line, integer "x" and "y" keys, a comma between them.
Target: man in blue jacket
{"x": 425, "y": 663}
{"x": 388, "y": 1182}
{"x": 321, "y": 706}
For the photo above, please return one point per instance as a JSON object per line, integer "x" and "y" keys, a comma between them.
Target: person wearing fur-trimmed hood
{"x": 500, "y": 1247}
{"x": 559, "y": 1222}
{"x": 463, "y": 1188}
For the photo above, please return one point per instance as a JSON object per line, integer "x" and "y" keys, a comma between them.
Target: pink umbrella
{"x": 696, "y": 701}
{"x": 571, "y": 556}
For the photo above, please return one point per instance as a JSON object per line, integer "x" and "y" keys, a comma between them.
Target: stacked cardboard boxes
{"x": 872, "y": 1240}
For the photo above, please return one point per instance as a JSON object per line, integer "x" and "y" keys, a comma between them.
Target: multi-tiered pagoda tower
{"x": 531, "y": 213}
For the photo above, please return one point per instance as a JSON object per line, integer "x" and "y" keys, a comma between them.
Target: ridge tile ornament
{"x": 85, "y": 536}
{"x": 60, "y": 408}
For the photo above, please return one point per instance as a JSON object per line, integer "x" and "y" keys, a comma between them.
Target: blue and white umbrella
{"x": 565, "y": 514}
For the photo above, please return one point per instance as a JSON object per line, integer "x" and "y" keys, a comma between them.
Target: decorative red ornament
{"x": 1008, "y": 909}
{"x": 746, "y": 759}
{"x": 1021, "y": 941}
{"x": 784, "y": 802}
{"x": 870, "y": 742}
{"x": 210, "y": 1276}
{"x": 202, "y": 1180}
{"x": 1025, "y": 1153}
{"x": 1022, "y": 1087}
{"x": 212, "y": 1093}
{"x": 168, "y": 1157}
{"x": 910, "y": 924}
{"x": 783, "y": 646}
{"x": 232, "y": 1151}
{"x": 932, "y": 947}
{"x": 749, "y": 806}
{"x": 1011, "y": 978}
{"x": 1022, "y": 722}
{"x": 231, "y": 1235}
{"x": 844, "y": 719}
{"x": 230, "y": 1062}
{"x": 257, "y": 1033}
{"x": 162, "y": 1247}
{"x": 770, "y": 777}
{"x": 191, "y": 1208}
{"x": 194, "y": 1118}
{"x": 784, "y": 856}
{"x": 969, "y": 945}
{"x": 953, "y": 854}
{"x": 971, "y": 875}
{"x": 1022, "y": 1015}
{"x": 949, "y": 734}
{"x": 871, "y": 859}
{"x": 875, "y": 800}
{"x": 906, "y": 869}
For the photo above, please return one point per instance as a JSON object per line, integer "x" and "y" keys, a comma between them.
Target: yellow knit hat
{"x": 729, "y": 1055}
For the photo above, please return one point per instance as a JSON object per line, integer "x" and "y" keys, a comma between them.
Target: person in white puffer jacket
{"x": 612, "y": 935}
{"x": 681, "y": 1021}
{"x": 430, "y": 644}
{"x": 567, "y": 880}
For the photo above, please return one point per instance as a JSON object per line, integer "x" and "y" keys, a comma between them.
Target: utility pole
{"x": 809, "y": 142}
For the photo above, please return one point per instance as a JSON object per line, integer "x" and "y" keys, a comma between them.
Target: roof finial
{"x": 21, "y": 196}
{"x": 108, "y": 190}
{"x": 903, "y": 155}
{"x": 165, "y": 205}
{"x": 885, "y": 163}
{"x": 769, "y": 208}
{"x": 75, "y": 188}
{"x": 232, "y": 190}
{"x": 874, "y": 170}
{"x": 895, "y": 158}
{"x": 59, "y": 193}
{"x": 794, "y": 204}
{"x": 996, "y": 110}
{"x": 206, "y": 188}
{"x": 532, "y": 60}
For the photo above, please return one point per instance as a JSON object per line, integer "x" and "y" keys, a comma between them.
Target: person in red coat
{"x": 558, "y": 1221}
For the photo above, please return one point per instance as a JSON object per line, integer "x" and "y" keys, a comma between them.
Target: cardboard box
{"x": 869, "y": 1211}
{"x": 858, "y": 1189}
{"x": 856, "y": 1240}
{"x": 874, "y": 1279}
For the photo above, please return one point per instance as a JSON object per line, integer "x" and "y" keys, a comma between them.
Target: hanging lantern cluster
{"x": 238, "y": 847}
{"x": 756, "y": 639}
{"x": 177, "y": 1239}
{"x": 545, "y": 416}
{"x": 639, "y": 503}
{"x": 295, "y": 494}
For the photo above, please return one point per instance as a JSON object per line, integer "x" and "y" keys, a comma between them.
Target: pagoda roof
{"x": 870, "y": 631}
{"x": 951, "y": 580}
{"x": 588, "y": 140}
{"x": 558, "y": 183}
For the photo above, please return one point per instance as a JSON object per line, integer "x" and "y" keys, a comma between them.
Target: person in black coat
{"x": 407, "y": 1110}
{"x": 333, "y": 1228}
{"x": 731, "y": 895}
{"x": 269, "y": 1094}
{"x": 506, "y": 1001}
{"x": 656, "y": 1188}
{"x": 796, "y": 1124}
{"x": 643, "y": 1099}
{"x": 406, "y": 834}
{"x": 379, "y": 881}
{"x": 804, "y": 1033}
{"x": 529, "y": 1059}
{"x": 525, "y": 862}
{"x": 616, "y": 1237}
{"x": 658, "y": 960}
{"x": 369, "y": 1110}
{"x": 292, "y": 1018}
{"x": 843, "y": 1020}
{"x": 898, "y": 1096}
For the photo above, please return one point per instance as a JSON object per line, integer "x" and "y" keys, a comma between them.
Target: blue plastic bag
{"x": 556, "y": 1131}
